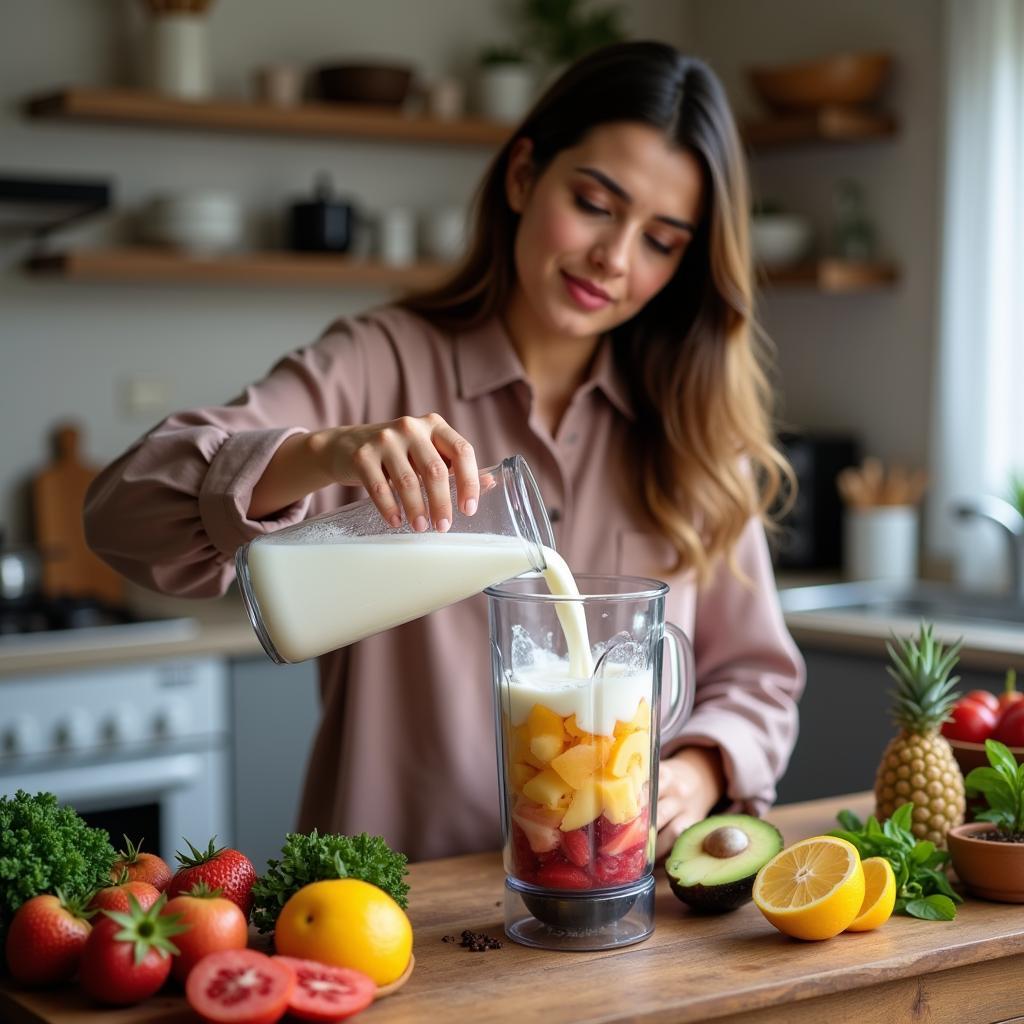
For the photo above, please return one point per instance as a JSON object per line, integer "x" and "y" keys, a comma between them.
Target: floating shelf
{"x": 127, "y": 106}
{"x": 827, "y": 124}
{"x": 833, "y": 275}
{"x": 274, "y": 268}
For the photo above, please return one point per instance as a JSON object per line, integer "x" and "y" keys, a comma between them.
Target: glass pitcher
{"x": 344, "y": 575}
{"x": 578, "y": 755}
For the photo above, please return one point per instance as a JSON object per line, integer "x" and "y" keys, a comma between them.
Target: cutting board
{"x": 70, "y": 569}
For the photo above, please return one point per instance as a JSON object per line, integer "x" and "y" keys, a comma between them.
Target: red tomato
{"x": 45, "y": 941}
{"x": 972, "y": 722}
{"x": 240, "y": 986}
{"x": 990, "y": 700}
{"x": 141, "y": 867}
{"x": 1010, "y": 729}
{"x": 115, "y": 897}
{"x": 215, "y": 923}
{"x": 1008, "y": 699}
{"x": 126, "y": 963}
{"x": 327, "y": 993}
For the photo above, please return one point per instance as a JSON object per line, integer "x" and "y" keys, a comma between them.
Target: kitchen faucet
{"x": 1004, "y": 515}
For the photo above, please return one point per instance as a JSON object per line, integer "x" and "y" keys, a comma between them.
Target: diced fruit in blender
{"x": 634, "y": 749}
{"x": 519, "y": 747}
{"x": 519, "y": 775}
{"x": 585, "y": 807}
{"x": 548, "y": 788}
{"x": 547, "y": 737}
{"x": 557, "y": 875}
{"x": 576, "y": 846}
{"x": 713, "y": 863}
{"x": 627, "y": 838}
{"x": 617, "y": 870}
{"x": 573, "y": 729}
{"x": 641, "y": 720}
{"x": 618, "y": 799}
{"x": 539, "y": 824}
{"x": 578, "y": 763}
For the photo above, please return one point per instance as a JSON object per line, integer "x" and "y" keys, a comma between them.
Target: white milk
{"x": 318, "y": 597}
{"x": 570, "y": 614}
{"x": 598, "y": 703}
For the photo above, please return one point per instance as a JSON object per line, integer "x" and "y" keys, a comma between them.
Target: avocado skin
{"x": 715, "y": 899}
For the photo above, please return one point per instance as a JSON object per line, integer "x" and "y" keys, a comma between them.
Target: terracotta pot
{"x": 972, "y": 755}
{"x": 990, "y": 870}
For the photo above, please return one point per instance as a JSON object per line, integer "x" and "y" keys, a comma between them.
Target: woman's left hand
{"x": 689, "y": 784}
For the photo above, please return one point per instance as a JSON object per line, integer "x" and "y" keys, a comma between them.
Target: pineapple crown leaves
{"x": 148, "y": 929}
{"x": 924, "y": 691}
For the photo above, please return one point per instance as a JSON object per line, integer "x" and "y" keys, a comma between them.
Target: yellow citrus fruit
{"x": 879, "y": 895}
{"x": 347, "y": 923}
{"x": 812, "y": 889}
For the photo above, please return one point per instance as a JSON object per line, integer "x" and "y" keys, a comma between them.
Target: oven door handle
{"x": 106, "y": 782}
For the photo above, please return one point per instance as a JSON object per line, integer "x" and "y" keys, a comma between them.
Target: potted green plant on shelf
{"x": 506, "y": 83}
{"x": 988, "y": 853}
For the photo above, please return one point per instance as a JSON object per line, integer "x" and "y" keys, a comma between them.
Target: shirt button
{"x": 554, "y": 514}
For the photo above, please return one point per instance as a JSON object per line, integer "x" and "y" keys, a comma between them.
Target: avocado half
{"x": 713, "y": 863}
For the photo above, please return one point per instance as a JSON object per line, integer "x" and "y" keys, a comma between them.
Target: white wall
{"x": 861, "y": 362}
{"x": 68, "y": 349}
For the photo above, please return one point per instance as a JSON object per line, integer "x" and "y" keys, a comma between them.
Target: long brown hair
{"x": 695, "y": 362}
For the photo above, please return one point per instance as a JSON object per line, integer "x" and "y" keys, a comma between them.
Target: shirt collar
{"x": 485, "y": 360}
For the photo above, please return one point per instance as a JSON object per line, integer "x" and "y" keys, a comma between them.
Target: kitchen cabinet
{"x": 274, "y": 715}
{"x": 845, "y": 721}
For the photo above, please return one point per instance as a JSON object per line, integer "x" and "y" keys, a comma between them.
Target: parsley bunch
{"x": 314, "y": 857}
{"x": 922, "y": 888}
{"x": 45, "y": 847}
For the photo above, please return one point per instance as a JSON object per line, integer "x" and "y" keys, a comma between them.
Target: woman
{"x": 601, "y": 324}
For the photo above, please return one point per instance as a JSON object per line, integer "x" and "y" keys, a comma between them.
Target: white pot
{"x": 881, "y": 543}
{"x": 179, "y": 56}
{"x": 780, "y": 239}
{"x": 505, "y": 91}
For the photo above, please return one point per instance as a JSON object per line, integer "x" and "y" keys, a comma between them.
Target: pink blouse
{"x": 406, "y": 745}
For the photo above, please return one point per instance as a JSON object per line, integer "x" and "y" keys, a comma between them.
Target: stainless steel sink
{"x": 933, "y": 602}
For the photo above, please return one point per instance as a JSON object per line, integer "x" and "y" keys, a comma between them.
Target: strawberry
{"x": 563, "y": 876}
{"x": 616, "y": 870}
{"x": 220, "y": 868}
{"x": 576, "y": 846}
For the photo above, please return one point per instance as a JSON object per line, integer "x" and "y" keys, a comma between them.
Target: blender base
{"x": 580, "y": 921}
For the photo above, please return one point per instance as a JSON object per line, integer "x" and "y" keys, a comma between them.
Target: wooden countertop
{"x": 731, "y": 968}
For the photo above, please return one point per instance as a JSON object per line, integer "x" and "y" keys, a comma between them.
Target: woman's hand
{"x": 392, "y": 460}
{"x": 689, "y": 785}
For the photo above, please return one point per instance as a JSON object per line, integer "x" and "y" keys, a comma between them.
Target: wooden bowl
{"x": 846, "y": 79}
{"x": 382, "y": 84}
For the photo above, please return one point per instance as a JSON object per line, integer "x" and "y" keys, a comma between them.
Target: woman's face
{"x": 602, "y": 229}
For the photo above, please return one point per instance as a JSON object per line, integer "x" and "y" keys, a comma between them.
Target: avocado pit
{"x": 727, "y": 841}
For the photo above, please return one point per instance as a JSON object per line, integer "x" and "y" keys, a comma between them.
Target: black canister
{"x": 323, "y": 223}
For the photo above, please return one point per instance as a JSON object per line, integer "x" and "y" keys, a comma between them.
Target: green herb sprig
{"x": 922, "y": 888}
{"x": 314, "y": 857}
{"x": 1002, "y": 786}
{"x": 45, "y": 847}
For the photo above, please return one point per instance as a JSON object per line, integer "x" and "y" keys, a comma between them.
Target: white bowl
{"x": 197, "y": 221}
{"x": 780, "y": 239}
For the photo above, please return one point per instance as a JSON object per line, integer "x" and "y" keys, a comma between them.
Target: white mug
{"x": 443, "y": 233}
{"x": 397, "y": 237}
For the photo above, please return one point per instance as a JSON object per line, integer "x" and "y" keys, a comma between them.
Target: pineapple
{"x": 918, "y": 765}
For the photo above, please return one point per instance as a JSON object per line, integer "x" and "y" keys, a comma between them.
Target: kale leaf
{"x": 314, "y": 857}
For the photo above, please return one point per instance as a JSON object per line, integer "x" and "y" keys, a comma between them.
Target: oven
{"x": 140, "y": 749}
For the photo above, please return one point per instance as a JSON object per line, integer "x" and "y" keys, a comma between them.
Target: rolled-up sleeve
{"x": 749, "y": 676}
{"x": 171, "y": 511}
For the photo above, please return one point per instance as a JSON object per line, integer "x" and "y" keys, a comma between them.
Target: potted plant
{"x": 988, "y": 853}
{"x": 506, "y": 83}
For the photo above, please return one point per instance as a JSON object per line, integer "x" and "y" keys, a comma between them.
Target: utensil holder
{"x": 880, "y": 543}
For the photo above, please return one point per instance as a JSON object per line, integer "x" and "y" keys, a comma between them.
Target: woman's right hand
{"x": 396, "y": 460}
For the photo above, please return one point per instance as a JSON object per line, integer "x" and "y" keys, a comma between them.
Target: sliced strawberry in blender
{"x": 563, "y": 876}
{"x": 576, "y": 846}
{"x": 627, "y": 836}
{"x": 611, "y": 870}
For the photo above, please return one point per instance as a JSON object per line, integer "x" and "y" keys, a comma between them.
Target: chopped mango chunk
{"x": 547, "y": 735}
{"x": 520, "y": 774}
{"x": 548, "y": 789}
{"x": 633, "y": 749}
{"x": 584, "y": 808}
{"x": 641, "y": 720}
{"x": 618, "y": 799}
{"x": 578, "y": 763}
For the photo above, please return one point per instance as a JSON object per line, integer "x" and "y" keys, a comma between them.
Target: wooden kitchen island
{"x": 729, "y": 969}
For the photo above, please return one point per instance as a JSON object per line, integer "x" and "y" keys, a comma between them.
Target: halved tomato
{"x": 240, "y": 986}
{"x": 327, "y": 993}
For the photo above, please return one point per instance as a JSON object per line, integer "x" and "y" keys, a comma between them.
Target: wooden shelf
{"x": 126, "y": 106}
{"x": 273, "y": 268}
{"x": 833, "y": 275}
{"x": 827, "y": 124}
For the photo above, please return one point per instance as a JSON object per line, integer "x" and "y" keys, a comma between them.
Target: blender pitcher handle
{"x": 683, "y": 682}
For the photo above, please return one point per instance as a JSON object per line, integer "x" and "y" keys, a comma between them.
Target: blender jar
{"x": 344, "y": 575}
{"x": 578, "y": 756}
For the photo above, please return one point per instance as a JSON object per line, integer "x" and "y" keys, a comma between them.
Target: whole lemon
{"x": 347, "y": 923}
